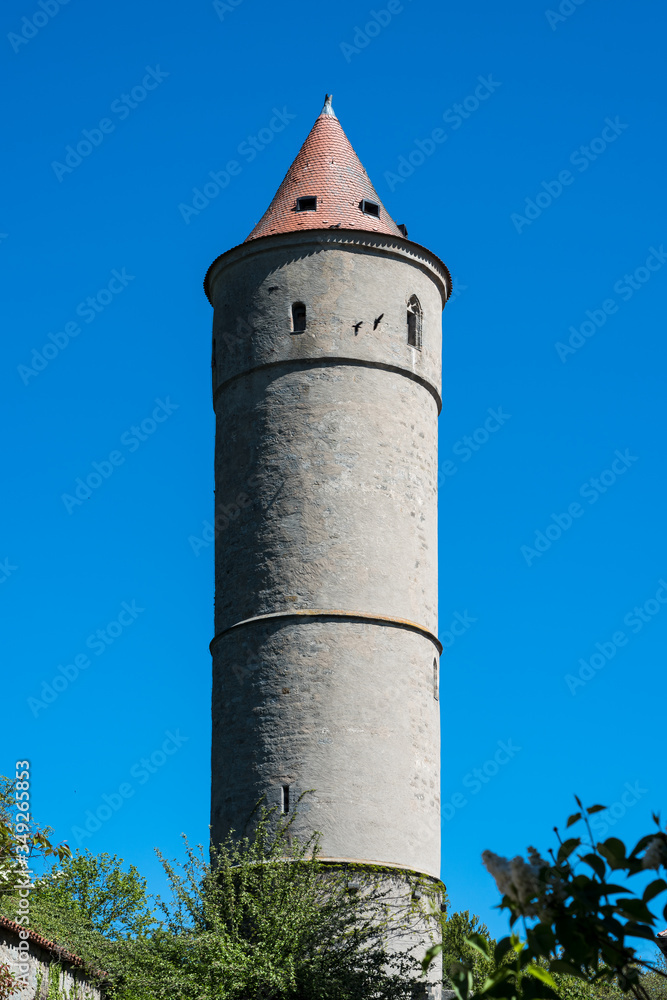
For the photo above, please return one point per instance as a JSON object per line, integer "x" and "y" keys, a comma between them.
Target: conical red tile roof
{"x": 329, "y": 169}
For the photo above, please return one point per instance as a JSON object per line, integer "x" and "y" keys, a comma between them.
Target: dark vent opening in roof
{"x": 370, "y": 208}
{"x": 306, "y": 204}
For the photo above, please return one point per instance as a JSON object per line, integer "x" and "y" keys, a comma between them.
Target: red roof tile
{"x": 329, "y": 169}
{"x": 62, "y": 953}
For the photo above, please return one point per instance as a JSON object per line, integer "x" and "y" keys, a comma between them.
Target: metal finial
{"x": 327, "y": 109}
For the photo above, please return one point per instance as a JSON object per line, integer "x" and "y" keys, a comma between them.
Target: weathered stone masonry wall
{"x": 45, "y": 963}
{"x": 329, "y": 437}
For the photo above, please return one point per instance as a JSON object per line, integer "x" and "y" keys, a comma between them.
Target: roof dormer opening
{"x": 308, "y": 204}
{"x": 370, "y": 207}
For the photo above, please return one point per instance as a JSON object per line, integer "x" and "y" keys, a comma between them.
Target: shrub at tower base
{"x": 265, "y": 919}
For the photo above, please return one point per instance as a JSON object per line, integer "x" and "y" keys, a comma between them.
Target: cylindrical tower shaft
{"x": 325, "y": 651}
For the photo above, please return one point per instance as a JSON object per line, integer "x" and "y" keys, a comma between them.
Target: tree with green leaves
{"x": 106, "y": 898}
{"x": 21, "y": 840}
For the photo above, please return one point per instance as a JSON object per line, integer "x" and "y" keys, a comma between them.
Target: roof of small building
{"x": 326, "y": 168}
{"x": 62, "y": 953}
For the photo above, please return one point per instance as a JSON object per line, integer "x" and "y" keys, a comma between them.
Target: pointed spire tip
{"x": 327, "y": 109}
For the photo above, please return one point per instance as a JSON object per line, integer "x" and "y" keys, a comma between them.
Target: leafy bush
{"x": 263, "y": 918}
{"x": 577, "y": 920}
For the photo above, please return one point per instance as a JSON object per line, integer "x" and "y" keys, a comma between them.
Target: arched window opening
{"x": 414, "y": 323}
{"x": 298, "y": 317}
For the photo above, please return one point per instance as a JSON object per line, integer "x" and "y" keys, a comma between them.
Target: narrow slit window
{"x": 213, "y": 355}
{"x": 436, "y": 692}
{"x": 306, "y": 204}
{"x": 370, "y": 208}
{"x": 285, "y": 799}
{"x": 414, "y": 323}
{"x": 298, "y": 317}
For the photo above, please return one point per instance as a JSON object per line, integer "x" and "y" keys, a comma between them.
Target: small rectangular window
{"x": 306, "y": 204}
{"x": 370, "y": 208}
{"x": 285, "y": 802}
{"x": 298, "y": 317}
{"x": 436, "y": 692}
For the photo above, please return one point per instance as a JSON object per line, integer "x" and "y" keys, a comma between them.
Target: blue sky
{"x": 547, "y": 201}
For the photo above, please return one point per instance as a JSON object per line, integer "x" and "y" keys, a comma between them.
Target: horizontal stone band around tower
{"x": 390, "y": 246}
{"x": 319, "y": 614}
{"x": 323, "y": 362}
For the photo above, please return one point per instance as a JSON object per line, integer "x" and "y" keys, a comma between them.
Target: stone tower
{"x": 327, "y": 389}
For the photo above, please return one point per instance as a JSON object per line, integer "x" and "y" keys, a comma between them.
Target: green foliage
{"x": 8, "y": 983}
{"x": 655, "y": 981}
{"x": 457, "y": 929}
{"x": 577, "y": 920}
{"x": 86, "y": 904}
{"x": 20, "y": 839}
{"x": 54, "y": 983}
{"x": 103, "y": 896}
{"x": 266, "y": 919}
